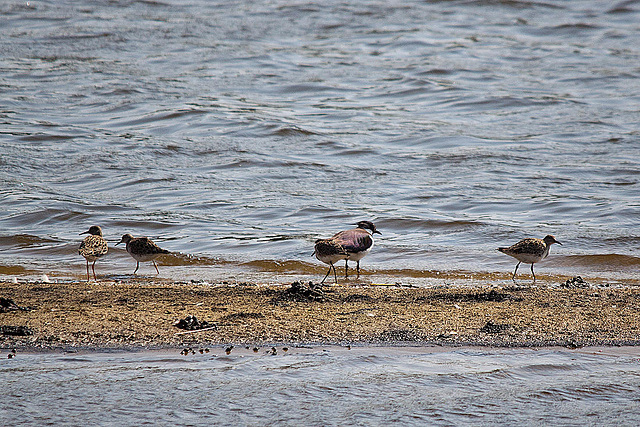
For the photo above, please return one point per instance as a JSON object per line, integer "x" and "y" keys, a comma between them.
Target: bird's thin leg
{"x": 93, "y": 267}
{"x": 346, "y": 268}
{"x": 327, "y": 275}
{"x": 358, "y": 269}
{"x": 534, "y": 274}
{"x": 88, "y": 277}
{"x": 335, "y": 275}
{"x": 154, "y": 264}
{"x": 137, "y": 266}
{"x": 515, "y": 271}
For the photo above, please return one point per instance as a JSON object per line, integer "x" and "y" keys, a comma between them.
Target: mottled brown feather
{"x": 143, "y": 247}
{"x": 93, "y": 247}
{"x": 329, "y": 247}
{"x": 531, "y": 246}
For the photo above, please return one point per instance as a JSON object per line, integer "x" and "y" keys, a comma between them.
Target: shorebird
{"x": 93, "y": 247}
{"x": 142, "y": 249}
{"x": 529, "y": 251}
{"x": 349, "y": 245}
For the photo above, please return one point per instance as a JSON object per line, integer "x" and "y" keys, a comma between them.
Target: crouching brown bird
{"x": 142, "y": 249}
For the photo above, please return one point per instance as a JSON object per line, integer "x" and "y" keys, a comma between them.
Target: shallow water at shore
{"x": 235, "y": 134}
{"x": 325, "y": 386}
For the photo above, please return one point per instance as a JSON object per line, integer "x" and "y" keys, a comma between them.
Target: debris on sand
{"x": 479, "y": 297}
{"x": 302, "y": 292}
{"x": 16, "y": 331}
{"x": 7, "y": 304}
{"x": 494, "y": 328}
{"x": 575, "y": 282}
{"x": 399, "y": 335}
{"x": 191, "y": 323}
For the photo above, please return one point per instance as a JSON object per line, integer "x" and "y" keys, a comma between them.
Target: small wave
{"x": 83, "y": 36}
{"x": 515, "y": 4}
{"x": 547, "y": 369}
{"x": 299, "y": 8}
{"x": 154, "y": 3}
{"x": 602, "y": 260}
{"x": 44, "y": 137}
{"x": 358, "y": 152}
{"x": 23, "y": 240}
{"x": 14, "y": 270}
{"x": 330, "y": 144}
{"x": 576, "y": 26}
{"x": 436, "y": 72}
{"x": 292, "y": 131}
{"x": 159, "y": 116}
{"x": 407, "y": 93}
{"x": 143, "y": 181}
{"x": 415, "y": 224}
{"x": 122, "y": 92}
{"x": 73, "y": 58}
{"x": 504, "y": 102}
{"x": 573, "y": 29}
{"x": 301, "y": 88}
{"x": 622, "y": 7}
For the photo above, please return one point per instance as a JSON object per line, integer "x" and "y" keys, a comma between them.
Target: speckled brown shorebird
{"x": 350, "y": 245}
{"x": 530, "y": 251}
{"x": 142, "y": 249}
{"x": 93, "y": 247}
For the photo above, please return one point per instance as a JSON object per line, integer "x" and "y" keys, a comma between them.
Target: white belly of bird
{"x": 330, "y": 259}
{"x": 531, "y": 258}
{"x": 144, "y": 257}
{"x": 357, "y": 256}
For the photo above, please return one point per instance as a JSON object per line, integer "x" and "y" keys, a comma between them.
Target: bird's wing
{"x": 528, "y": 246}
{"x": 146, "y": 245}
{"x": 355, "y": 240}
{"x": 329, "y": 247}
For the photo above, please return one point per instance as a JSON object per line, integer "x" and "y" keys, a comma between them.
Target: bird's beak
{"x": 84, "y": 232}
{"x": 118, "y": 243}
{"x": 377, "y": 232}
{"x": 559, "y": 243}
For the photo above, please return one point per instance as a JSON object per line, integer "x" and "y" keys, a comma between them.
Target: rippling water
{"x": 325, "y": 386}
{"x": 236, "y": 133}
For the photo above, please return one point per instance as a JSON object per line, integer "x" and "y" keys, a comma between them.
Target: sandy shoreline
{"x": 141, "y": 314}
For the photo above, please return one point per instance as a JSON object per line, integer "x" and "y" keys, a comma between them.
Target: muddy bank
{"x": 154, "y": 314}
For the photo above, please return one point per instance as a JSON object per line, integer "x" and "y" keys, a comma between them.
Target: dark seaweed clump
{"x": 302, "y": 292}
{"x": 191, "y": 323}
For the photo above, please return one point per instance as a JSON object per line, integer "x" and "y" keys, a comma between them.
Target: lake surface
{"x": 325, "y": 386}
{"x": 236, "y": 133}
